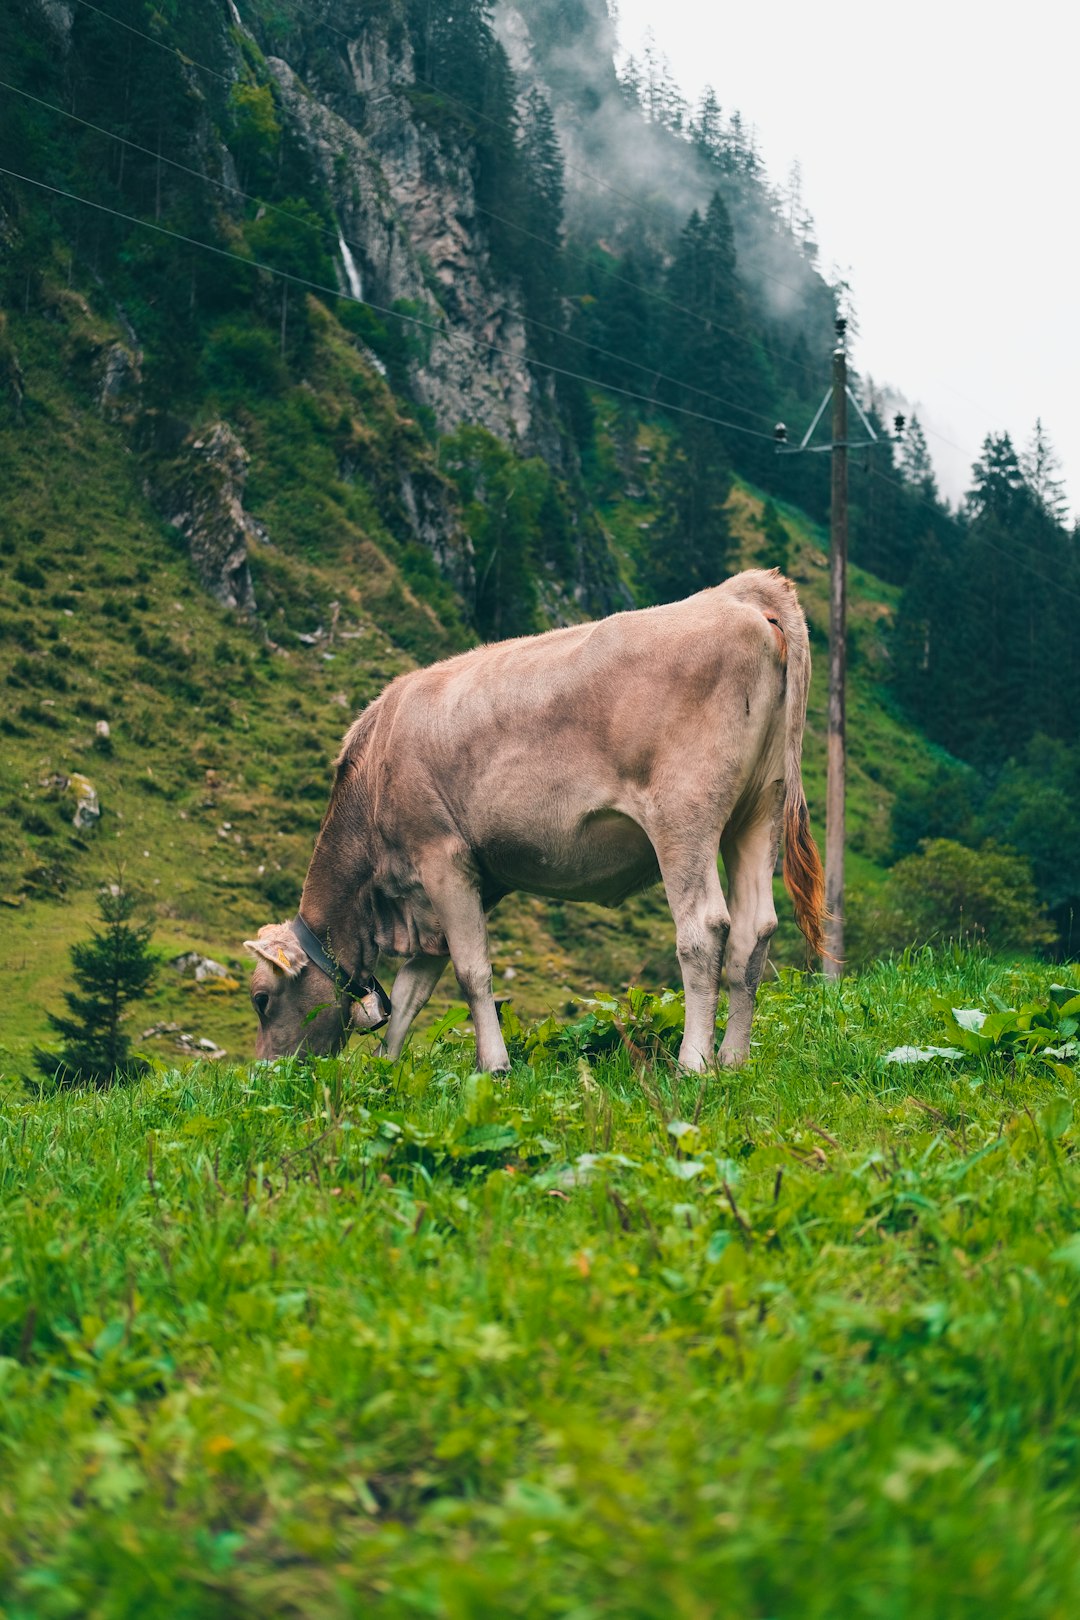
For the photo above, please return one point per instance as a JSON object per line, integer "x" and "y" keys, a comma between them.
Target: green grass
{"x": 223, "y": 732}
{"x": 318, "y": 1341}
{"x": 221, "y": 742}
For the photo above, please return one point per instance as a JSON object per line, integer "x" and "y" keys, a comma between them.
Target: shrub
{"x": 241, "y": 355}
{"x": 942, "y": 804}
{"x": 948, "y": 891}
{"x": 28, "y": 573}
{"x": 774, "y": 551}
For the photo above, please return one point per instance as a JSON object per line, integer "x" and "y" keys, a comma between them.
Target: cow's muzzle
{"x": 371, "y": 1008}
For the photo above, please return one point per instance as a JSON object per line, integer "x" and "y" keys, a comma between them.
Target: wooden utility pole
{"x": 841, "y": 396}
{"x": 837, "y": 752}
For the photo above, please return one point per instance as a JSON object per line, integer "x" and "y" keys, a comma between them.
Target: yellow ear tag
{"x": 283, "y": 959}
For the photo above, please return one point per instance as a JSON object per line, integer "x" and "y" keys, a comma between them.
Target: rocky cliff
{"x": 404, "y": 245}
{"x": 327, "y": 241}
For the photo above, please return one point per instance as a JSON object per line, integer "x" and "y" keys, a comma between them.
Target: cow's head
{"x": 300, "y": 1008}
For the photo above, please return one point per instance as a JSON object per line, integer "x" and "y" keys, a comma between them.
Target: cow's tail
{"x": 803, "y": 875}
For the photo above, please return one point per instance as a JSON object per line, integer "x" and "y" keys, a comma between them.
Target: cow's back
{"x": 546, "y": 756}
{"x": 612, "y": 677}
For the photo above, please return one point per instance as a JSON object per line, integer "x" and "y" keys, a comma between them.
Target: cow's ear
{"x": 278, "y": 945}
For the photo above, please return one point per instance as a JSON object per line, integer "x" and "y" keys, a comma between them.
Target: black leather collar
{"x": 344, "y": 982}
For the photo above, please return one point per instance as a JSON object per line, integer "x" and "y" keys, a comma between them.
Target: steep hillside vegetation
{"x": 330, "y": 341}
{"x": 222, "y": 728}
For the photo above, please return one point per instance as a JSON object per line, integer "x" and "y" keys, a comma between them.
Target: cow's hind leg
{"x": 749, "y": 859}
{"x": 692, "y": 884}
{"x": 455, "y": 896}
{"x": 413, "y": 984}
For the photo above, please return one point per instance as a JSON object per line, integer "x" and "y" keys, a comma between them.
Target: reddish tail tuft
{"x": 803, "y": 875}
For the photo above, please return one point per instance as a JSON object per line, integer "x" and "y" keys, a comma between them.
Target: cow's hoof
{"x": 499, "y": 1070}
{"x": 732, "y": 1057}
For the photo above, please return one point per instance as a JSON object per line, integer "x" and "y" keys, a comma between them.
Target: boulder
{"x": 87, "y": 805}
{"x": 201, "y": 968}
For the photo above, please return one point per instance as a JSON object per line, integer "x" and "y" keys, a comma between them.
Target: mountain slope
{"x": 316, "y": 398}
{"x": 216, "y": 770}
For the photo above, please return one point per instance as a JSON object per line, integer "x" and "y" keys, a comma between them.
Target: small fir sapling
{"x": 112, "y": 969}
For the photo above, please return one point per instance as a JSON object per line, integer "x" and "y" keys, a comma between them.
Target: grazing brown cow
{"x": 583, "y": 764}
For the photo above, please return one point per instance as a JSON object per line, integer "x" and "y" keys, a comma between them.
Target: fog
{"x": 937, "y": 145}
{"x": 635, "y": 183}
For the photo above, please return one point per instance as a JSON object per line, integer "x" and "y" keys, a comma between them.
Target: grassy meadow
{"x": 217, "y": 770}
{"x": 599, "y": 1340}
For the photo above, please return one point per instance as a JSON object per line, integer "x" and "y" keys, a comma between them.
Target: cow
{"x": 585, "y": 763}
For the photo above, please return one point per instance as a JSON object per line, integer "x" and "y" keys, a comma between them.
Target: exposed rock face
{"x": 204, "y": 500}
{"x": 59, "y": 14}
{"x": 12, "y": 381}
{"x": 120, "y": 380}
{"x": 407, "y": 207}
{"x": 426, "y": 505}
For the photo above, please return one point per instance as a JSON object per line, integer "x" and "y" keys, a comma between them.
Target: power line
{"x": 339, "y": 236}
{"x": 491, "y": 348}
{"x": 567, "y": 247}
{"x": 964, "y": 449}
{"x": 586, "y": 174}
{"x": 639, "y": 365}
{"x": 655, "y": 297}
{"x": 947, "y": 517}
{"x": 574, "y": 168}
{"x": 394, "y": 314}
{"x": 160, "y": 157}
{"x": 188, "y": 61}
{"x": 447, "y": 333}
{"x": 182, "y": 56}
{"x": 649, "y": 294}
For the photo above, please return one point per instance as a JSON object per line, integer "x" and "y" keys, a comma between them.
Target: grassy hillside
{"x": 216, "y": 771}
{"x": 596, "y": 1341}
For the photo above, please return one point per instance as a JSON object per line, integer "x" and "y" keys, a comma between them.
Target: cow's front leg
{"x": 692, "y": 884}
{"x": 413, "y": 984}
{"x": 456, "y": 899}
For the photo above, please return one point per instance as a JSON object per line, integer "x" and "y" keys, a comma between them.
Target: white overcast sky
{"x": 939, "y": 148}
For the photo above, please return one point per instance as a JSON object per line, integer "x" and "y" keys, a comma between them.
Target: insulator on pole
{"x": 780, "y": 433}
{"x": 899, "y": 424}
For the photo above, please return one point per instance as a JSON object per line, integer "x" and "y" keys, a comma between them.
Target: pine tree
{"x": 795, "y": 214}
{"x": 654, "y": 69}
{"x": 997, "y": 481}
{"x": 617, "y": 315}
{"x": 115, "y": 967}
{"x": 630, "y": 82}
{"x": 933, "y": 678}
{"x": 916, "y": 467}
{"x": 689, "y": 543}
{"x": 540, "y": 255}
{"x": 700, "y": 346}
{"x": 1041, "y": 466}
{"x": 707, "y": 127}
